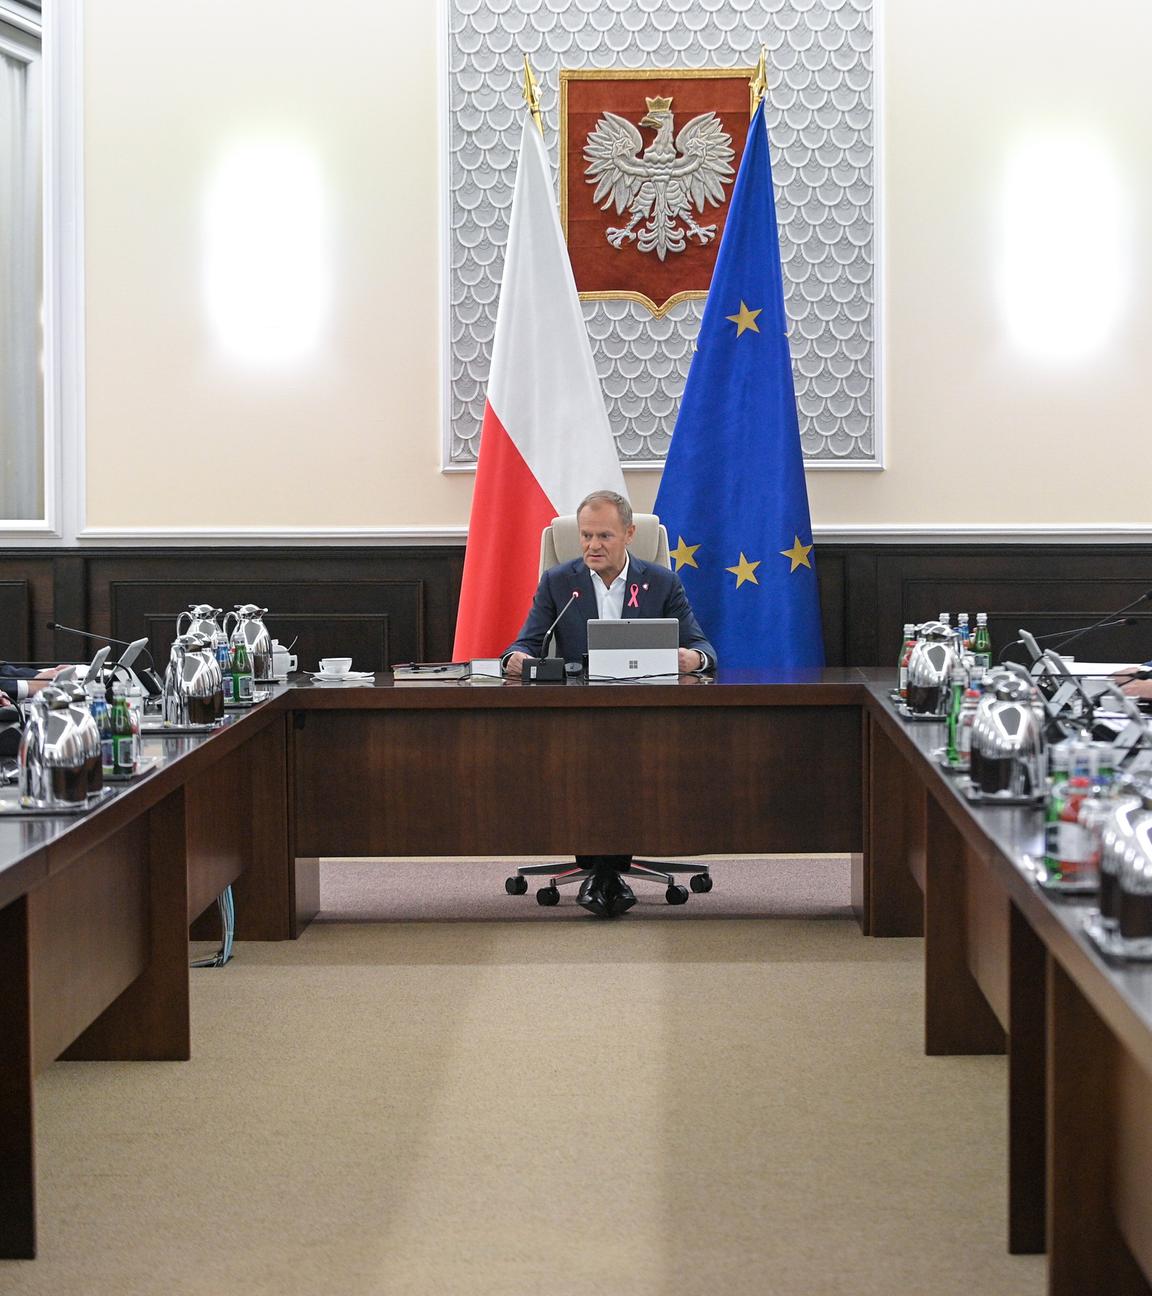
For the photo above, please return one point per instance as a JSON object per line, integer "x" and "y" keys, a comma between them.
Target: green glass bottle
{"x": 241, "y": 674}
{"x": 982, "y": 642}
{"x": 123, "y": 734}
{"x": 1059, "y": 763}
{"x": 102, "y": 714}
{"x": 959, "y": 687}
{"x": 907, "y": 643}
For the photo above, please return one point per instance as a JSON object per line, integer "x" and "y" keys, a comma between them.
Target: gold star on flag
{"x": 744, "y": 571}
{"x": 797, "y": 555}
{"x": 684, "y": 555}
{"x": 746, "y": 319}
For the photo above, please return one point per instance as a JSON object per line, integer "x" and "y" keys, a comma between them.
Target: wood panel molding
{"x": 398, "y": 602}
{"x": 15, "y": 620}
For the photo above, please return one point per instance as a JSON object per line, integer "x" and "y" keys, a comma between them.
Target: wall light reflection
{"x": 266, "y": 261}
{"x": 1066, "y": 253}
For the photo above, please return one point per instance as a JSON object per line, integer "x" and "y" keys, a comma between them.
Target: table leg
{"x": 17, "y": 1149}
{"x": 264, "y": 891}
{"x": 958, "y": 1018}
{"x": 889, "y": 895}
{"x": 1087, "y": 1251}
{"x": 305, "y": 894}
{"x": 1027, "y": 1191}
{"x": 150, "y": 1019}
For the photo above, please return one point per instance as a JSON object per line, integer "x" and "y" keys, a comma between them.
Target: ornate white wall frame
{"x": 823, "y": 86}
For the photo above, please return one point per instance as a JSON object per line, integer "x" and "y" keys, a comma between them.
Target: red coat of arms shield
{"x": 647, "y": 164}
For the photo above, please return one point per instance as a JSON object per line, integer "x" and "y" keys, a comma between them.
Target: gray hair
{"x": 618, "y": 502}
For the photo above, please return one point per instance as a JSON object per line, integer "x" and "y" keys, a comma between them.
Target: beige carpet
{"x": 546, "y": 1107}
{"x": 471, "y": 889}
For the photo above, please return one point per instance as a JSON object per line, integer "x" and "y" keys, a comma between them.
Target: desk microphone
{"x": 147, "y": 677}
{"x": 87, "y": 634}
{"x": 1110, "y": 617}
{"x": 545, "y": 669}
{"x": 1065, "y": 637}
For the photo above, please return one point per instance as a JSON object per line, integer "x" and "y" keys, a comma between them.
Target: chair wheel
{"x": 516, "y": 885}
{"x": 676, "y": 895}
{"x": 700, "y": 882}
{"x": 548, "y": 895}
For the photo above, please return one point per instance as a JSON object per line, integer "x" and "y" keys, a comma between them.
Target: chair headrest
{"x": 645, "y": 543}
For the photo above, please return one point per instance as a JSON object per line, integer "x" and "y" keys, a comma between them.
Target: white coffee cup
{"x": 335, "y": 665}
{"x": 283, "y": 662}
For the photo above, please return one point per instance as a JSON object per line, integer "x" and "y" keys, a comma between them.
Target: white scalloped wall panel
{"x": 820, "y": 123}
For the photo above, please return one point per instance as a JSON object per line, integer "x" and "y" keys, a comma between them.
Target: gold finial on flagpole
{"x": 759, "y": 83}
{"x": 532, "y": 95}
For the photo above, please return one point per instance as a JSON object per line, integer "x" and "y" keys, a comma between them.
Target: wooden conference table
{"x": 95, "y": 911}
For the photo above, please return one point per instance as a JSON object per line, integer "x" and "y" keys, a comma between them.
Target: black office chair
{"x": 639, "y": 870}
{"x": 560, "y": 542}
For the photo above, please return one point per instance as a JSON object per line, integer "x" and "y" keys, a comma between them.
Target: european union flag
{"x": 733, "y": 495}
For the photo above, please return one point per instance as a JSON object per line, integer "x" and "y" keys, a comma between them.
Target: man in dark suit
{"x": 612, "y": 585}
{"x": 18, "y": 682}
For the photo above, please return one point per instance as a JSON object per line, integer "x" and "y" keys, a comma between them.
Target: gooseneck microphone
{"x": 545, "y": 669}
{"x": 87, "y": 634}
{"x": 552, "y": 628}
{"x": 146, "y": 675}
{"x": 1076, "y": 634}
{"x": 1065, "y": 637}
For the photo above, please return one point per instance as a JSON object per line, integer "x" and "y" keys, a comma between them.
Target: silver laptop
{"x": 631, "y": 649}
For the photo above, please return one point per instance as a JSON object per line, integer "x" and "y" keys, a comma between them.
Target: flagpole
{"x": 758, "y": 84}
{"x": 532, "y": 96}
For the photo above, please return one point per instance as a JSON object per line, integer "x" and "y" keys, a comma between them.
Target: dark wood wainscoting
{"x": 383, "y": 604}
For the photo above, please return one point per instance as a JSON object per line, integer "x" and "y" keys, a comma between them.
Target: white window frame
{"x": 62, "y": 66}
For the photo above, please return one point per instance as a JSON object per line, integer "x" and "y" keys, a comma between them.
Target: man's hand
{"x": 5, "y": 700}
{"x": 1137, "y": 688}
{"x": 42, "y": 678}
{"x": 690, "y": 661}
{"x": 515, "y": 665}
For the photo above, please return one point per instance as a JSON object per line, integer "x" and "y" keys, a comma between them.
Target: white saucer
{"x": 344, "y": 678}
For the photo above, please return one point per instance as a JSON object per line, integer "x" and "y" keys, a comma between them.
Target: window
{"x": 22, "y": 443}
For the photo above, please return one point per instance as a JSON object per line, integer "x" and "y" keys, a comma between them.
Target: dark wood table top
{"x": 1011, "y": 838}
{"x": 832, "y": 686}
{"x": 32, "y": 849}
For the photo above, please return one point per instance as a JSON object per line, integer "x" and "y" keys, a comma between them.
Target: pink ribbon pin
{"x": 633, "y": 591}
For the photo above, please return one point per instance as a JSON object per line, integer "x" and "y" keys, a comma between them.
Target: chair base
{"x": 661, "y": 871}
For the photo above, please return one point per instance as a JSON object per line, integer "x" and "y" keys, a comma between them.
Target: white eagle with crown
{"x": 661, "y": 184}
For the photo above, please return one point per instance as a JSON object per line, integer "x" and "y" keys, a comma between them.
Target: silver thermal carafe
{"x": 193, "y": 684}
{"x": 1135, "y": 926}
{"x": 1115, "y": 840}
{"x": 248, "y": 628}
{"x": 203, "y": 620}
{"x": 89, "y": 735}
{"x": 1008, "y": 753}
{"x": 53, "y": 754}
{"x": 930, "y": 668}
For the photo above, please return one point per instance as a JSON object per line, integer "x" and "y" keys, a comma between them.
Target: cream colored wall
{"x": 976, "y": 431}
{"x": 350, "y": 436}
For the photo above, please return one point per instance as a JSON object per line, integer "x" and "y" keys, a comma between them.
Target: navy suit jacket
{"x": 659, "y": 593}
{"x": 8, "y": 671}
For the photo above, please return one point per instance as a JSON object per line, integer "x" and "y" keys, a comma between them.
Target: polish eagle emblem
{"x": 661, "y": 184}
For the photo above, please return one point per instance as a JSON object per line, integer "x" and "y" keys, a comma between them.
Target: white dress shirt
{"x": 610, "y": 598}
{"x": 610, "y": 603}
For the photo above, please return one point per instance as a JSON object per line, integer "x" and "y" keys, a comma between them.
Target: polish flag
{"x": 545, "y": 442}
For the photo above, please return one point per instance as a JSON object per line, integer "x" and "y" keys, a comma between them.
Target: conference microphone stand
{"x": 1069, "y": 636}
